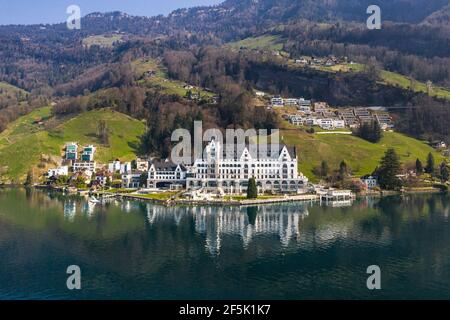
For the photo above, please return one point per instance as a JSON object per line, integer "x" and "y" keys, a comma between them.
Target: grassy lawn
{"x": 22, "y": 144}
{"x": 124, "y": 133}
{"x": 157, "y": 196}
{"x": 118, "y": 190}
{"x": 161, "y": 79}
{"x": 9, "y": 89}
{"x": 362, "y": 156}
{"x": 396, "y": 79}
{"x": 266, "y": 42}
{"x": 387, "y": 78}
{"x": 25, "y": 125}
{"x": 140, "y": 66}
{"x": 343, "y": 67}
{"x": 102, "y": 40}
{"x": 234, "y": 198}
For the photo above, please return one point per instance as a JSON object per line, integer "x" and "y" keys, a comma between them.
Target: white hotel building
{"x": 276, "y": 172}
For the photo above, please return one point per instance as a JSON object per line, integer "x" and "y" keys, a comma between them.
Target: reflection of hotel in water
{"x": 70, "y": 208}
{"x": 246, "y": 222}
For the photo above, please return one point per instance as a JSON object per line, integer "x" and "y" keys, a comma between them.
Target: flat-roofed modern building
{"x": 277, "y": 102}
{"x": 132, "y": 180}
{"x": 71, "y": 151}
{"x": 79, "y": 166}
{"x": 290, "y": 102}
{"x": 88, "y": 153}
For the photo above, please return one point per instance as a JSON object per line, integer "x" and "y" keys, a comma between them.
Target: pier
{"x": 336, "y": 195}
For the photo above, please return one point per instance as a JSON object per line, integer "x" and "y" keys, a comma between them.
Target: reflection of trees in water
{"x": 391, "y": 214}
{"x": 28, "y": 193}
{"x": 432, "y": 205}
{"x": 252, "y": 212}
{"x": 413, "y": 206}
{"x": 428, "y": 241}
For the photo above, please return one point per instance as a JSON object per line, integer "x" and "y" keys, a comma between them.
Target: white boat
{"x": 93, "y": 199}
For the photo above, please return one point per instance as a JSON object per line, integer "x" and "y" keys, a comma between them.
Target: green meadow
{"x": 106, "y": 41}
{"x": 265, "y": 42}
{"x": 362, "y": 156}
{"x": 161, "y": 79}
{"x": 25, "y": 140}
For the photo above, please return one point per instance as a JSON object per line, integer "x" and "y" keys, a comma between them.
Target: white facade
{"x": 61, "y": 171}
{"x": 305, "y": 109}
{"x": 296, "y": 120}
{"x": 326, "y": 124}
{"x": 166, "y": 173}
{"x": 290, "y": 102}
{"x": 302, "y": 102}
{"x": 277, "y": 102}
{"x": 114, "y": 166}
{"x": 338, "y": 123}
{"x": 71, "y": 150}
{"x": 311, "y": 121}
{"x": 84, "y": 165}
{"x": 88, "y": 153}
{"x": 370, "y": 182}
{"x": 273, "y": 173}
{"x": 335, "y": 195}
{"x": 301, "y": 61}
{"x": 125, "y": 167}
{"x": 117, "y": 166}
{"x": 131, "y": 180}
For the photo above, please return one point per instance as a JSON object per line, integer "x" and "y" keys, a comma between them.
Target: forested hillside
{"x": 142, "y": 66}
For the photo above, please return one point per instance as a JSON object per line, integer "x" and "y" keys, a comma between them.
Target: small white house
{"x": 326, "y": 124}
{"x": 61, "y": 171}
{"x": 131, "y": 180}
{"x": 304, "y": 102}
{"x": 125, "y": 167}
{"x": 296, "y": 120}
{"x": 440, "y": 145}
{"x": 338, "y": 123}
{"x": 311, "y": 121}
{"x": 370, "y": 181}
{"x": 290, "y": 102}
{"x": 114, "y": 166}
{"x": 304, "y": 109}
{"x": 301, "y": 61}
{"x": 277, "y": 102}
